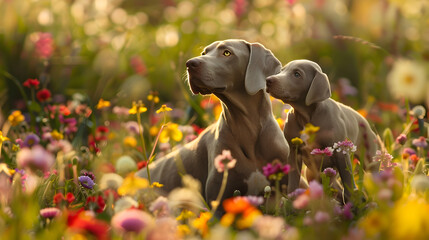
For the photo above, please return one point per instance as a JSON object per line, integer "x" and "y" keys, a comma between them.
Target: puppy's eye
{"x": 203, "y": 53}
{"x": 297, "y": 74}
{"x": 226, "y": 53}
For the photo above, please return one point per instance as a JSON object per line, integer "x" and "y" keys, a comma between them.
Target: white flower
{"x": 407, "y": 79}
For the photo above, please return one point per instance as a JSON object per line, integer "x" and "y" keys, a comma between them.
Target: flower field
{"x": 93, "y": 91}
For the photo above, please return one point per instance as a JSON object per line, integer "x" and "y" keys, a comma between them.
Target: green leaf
{"x": 34, "y": 107}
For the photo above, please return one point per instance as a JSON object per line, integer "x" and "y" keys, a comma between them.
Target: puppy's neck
{"x": 303, "y": 113}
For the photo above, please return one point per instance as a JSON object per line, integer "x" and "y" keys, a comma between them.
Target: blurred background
{"x": 122, "y": 50}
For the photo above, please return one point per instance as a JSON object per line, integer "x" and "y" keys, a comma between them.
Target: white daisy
{"x": 407, "y": 79}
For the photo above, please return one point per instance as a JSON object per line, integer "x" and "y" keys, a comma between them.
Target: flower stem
{"x": 144, "y": 146}
{"x": 221, "y": 191}
{"x": 277, "y": 196}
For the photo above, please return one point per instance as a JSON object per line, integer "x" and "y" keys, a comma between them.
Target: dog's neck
{"x": 303, "y": 112}
{"x": 245, "y": 115}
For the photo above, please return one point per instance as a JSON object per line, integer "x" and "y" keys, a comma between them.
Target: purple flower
{"x": 401, "y": 139}
{"x": 325, "y": 152}
{"x": 86, "y": 182}
{"x": 296, "y": 193}
{"x": 255, "y": 200}
{"x": 420, "y": 142}
{"x": 89, "y": 174}
{"x": 31, "y": 140}
{"x": 346, "y": 147}
{"x": 131, "y": 220}
{"x": 49, "y": 212}
{"x": 330, "y": 172}
{"x": 409, "y": 151}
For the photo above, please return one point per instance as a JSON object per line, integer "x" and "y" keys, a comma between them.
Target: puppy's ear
{"x": 320, "y": 89}
{"x": 262, "y": 64}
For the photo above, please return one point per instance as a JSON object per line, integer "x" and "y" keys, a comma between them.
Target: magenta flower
{"x": 131, "y": 220}
{"x": 346, "y": 147}
{"x": 420, "y": 142}
{"x": 45, "y": 45}
{"x": 224, "y": 160}
{"x": 50, "y": 212}
{"x": 325, "y": 152}
{"x": 275, "y": 168}
{"x": 401, "y": 139}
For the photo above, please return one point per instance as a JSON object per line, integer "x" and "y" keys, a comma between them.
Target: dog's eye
{"x": 203, "y": 53}
{"x": 297, "y": 74}
{"x": 226, "y": 53}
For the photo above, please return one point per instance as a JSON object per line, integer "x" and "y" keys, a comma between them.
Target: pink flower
{"x": 36, "y": 157}
{"x": 159, "y": 207}
{"x": 50, "y": 212}
{"x": 325, "y": 152}
{"x": 401, "y": 139}
{"x": 131, "y": 220}
{"x": 420, "y": 142}
{"x": 240, "y": 7}
{"x": 385, "y": 160}
{"x": 316, "y": 189}
{"x": 301, "y": 201}
{"x": 224, "y": 159}
{"x": 321, "y": 217}
{"x": 45, "y": 45}
{"x": 346, "y": 147}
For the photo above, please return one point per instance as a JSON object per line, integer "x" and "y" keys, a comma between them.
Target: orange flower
{"x": 236, "y": 205}
{"x": 201, "y": 223}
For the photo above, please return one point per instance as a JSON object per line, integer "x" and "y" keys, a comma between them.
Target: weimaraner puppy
{"x": 234, "y": 71}
{"x": 303, "y": 85}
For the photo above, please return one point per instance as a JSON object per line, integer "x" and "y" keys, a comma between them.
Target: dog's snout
{"x": 270, "y": 80}
{"x": 193, "y": 63}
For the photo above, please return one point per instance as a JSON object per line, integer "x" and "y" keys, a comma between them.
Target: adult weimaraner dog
{"x": 234, "y": 71}
{"x": 303, "y": 85}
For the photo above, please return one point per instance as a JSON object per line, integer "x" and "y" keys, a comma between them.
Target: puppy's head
{"x": 231, "y": 65}
{"x": 300, "y": 81}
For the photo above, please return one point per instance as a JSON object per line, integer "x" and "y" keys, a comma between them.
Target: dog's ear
{"x": 320, "y": 89}
{"x": 262, "y": 64}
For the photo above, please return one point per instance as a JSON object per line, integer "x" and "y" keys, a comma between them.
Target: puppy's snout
{"x": 193, "y": 63}
{"x": 270, "y": 80}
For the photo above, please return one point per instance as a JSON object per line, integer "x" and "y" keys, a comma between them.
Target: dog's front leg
{"x": 344, "y": 166}
{"x": 294, "y": 175}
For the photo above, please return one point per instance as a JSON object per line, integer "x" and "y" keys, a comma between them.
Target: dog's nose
{"x": 193, "y": 63}
{"x": 270, "y": 80}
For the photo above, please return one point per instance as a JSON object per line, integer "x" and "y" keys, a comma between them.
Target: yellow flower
{"x": 15, "y": 148}
{"x": 172, "y": 131}
{"x": 132, "y": 184}
{"x": 102, "y": 104}
{"x": 138, "y": 108}
{"x": 227, "y": 219}
{"x": 163, "y": 108}
{"x": 281, "y": 122}
{"x": 297, "y": 141}
{"x": 16, "y": 118}
{"x": 410, "y": 219}
{"x": 247, "y": 219}
{"x": 153, "y": 131}
{"x": 6, "y": 170}
{"x": 373, "y": 223}
{"x": 57, "y": 135}
{"x": 130, "y": 141}
{"x": 2, "y": 138}
{"x": 201, "y": 223}
{"x": 153, "y": 96}
{"x": 185, "y": 214}
{"x": 310, "y": 129}
{"x": 157, "y": 185}
{"x": 183, "y": 230}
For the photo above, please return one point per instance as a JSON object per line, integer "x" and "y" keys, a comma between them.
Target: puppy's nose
{"x": 193, "y": 63}
{"x": 270, "y": 80}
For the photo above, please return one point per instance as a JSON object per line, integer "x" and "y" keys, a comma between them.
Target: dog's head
{"x": 231, "y": 65}
{"x": 300, "y": 81}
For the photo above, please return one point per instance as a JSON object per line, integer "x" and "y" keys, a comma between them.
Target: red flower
{"x": 96, "y": 203}
{"x": 58, "y": 198}
{"x": 43, "y": 95}
{"x": 31, "y": 83}
{"x": 102, "y": 129}
{"x": 141, "y": 164}
{"x": 81, "y": 221}
{"x": 70, "y": 197}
